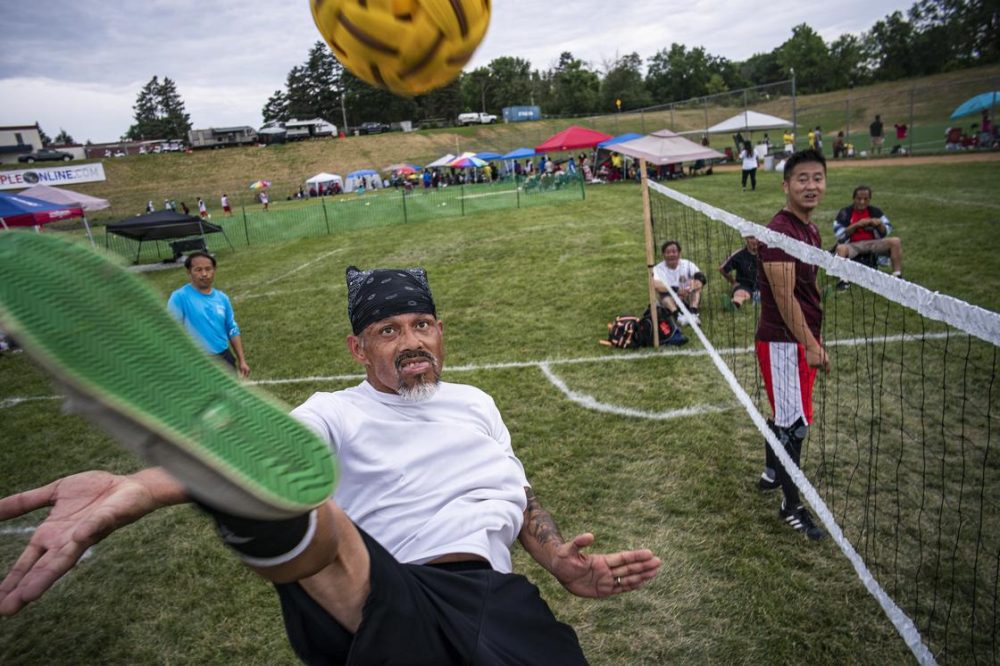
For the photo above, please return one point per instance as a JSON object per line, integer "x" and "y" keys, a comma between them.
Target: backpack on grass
{"x": 624, "y": 332}
{"x": 670, "y": 332}
{"x": 629, "y": 332}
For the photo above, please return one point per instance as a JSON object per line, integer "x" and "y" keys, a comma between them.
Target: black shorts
{"x": 228, "y": 357}
{"x": 455, "y": 613}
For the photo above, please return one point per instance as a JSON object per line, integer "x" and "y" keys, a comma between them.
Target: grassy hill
{"x": 184, "y": 177}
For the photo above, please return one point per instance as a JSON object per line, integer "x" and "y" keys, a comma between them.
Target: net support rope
{"x": 943, "y": 308}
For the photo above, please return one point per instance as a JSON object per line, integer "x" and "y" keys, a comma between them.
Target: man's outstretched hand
{"x": 86, "y": 507}
{"x": 597, "y": 575}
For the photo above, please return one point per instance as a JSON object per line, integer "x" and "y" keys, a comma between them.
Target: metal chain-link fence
{"x": 250, "y": 224}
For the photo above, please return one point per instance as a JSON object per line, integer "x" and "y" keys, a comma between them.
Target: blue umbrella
{"x": 519, "y": 153}
{"x": 981, "y": 102}
{"x": 362, "y": 172}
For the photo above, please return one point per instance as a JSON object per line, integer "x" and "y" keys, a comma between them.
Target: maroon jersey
{"x": 771, "y": 327}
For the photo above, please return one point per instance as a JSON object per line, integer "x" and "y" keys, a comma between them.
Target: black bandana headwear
{"x": 386, "y": 292}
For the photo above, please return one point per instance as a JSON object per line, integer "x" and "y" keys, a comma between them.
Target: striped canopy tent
{"x": 17, "y": 210}
{"x": 66, "y": 197}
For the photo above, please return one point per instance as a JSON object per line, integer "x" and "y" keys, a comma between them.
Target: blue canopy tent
{"x": 516, "y": 154}
{"x": 489, "y": 155}
{"x": 519, "y": 153}
{"x": 21, "y": 211}
{"x": 619, "y": 139}
{"x": 981, "y": 102}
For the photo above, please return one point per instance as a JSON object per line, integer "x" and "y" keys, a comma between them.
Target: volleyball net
{"x": 900, "y": 464}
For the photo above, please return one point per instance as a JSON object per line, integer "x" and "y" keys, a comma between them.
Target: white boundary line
{"x": 16, "y": 530}
{"x": 22, "y": 531}
{"x": 625, "y": 356}
{"x": 247, "y": 293}
{"x": 589, "y": 402}
{"x": 14, "y": 402}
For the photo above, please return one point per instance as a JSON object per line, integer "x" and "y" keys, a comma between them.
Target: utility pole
{"x": 343, "y": 109}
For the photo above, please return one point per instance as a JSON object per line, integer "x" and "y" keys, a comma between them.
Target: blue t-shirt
{"x": 209, "y": 318}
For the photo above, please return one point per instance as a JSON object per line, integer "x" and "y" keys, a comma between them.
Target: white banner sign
{"x": 53, "y": 176}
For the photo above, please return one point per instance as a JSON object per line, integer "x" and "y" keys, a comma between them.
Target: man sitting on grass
{"x": 862, "y": 232}
{"x": 684, "y": 277}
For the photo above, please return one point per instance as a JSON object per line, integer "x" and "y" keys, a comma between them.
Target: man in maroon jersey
{"x": 789, "y": 346}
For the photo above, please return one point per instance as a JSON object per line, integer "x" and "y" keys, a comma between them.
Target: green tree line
{"x": 932, "y": 36}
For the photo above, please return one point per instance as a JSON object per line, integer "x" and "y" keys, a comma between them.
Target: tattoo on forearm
{"x": 539, "y": 521}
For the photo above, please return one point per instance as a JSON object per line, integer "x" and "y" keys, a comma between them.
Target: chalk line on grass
{"x": 247, "y": 294}
{"x": 12, "y": 402}
{"x": 22, "y": 531}
{"x": 506, "y": 365}
{"x": 590, "y": 402}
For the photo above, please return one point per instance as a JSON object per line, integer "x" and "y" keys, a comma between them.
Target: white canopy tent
{"x": 666, "y": 147}
{"x": 325, "y": 179}
{"x": 442, "y": 161}
{"x": 749, "y": 121}
{"x": 62, "y": 196}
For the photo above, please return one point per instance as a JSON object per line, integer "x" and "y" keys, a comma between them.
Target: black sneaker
{"x": 843, "y": 285}
{"x": 766, "y": 483}
{"x": 801, "y": 520}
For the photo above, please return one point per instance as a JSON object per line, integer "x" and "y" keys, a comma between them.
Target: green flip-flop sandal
{"x": 124, "y": 363}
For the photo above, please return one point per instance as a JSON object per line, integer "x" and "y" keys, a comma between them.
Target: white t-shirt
{"x": 424, "y": 478}
{"x": 749, "y": 159}
{"x": 675, "y": 277}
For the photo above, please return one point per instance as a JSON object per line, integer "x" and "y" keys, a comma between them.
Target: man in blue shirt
{"x": 207, "y": 313}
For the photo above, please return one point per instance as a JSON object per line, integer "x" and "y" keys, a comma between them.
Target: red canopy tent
{"x": 572, "y": 138}
{"x": 21, "y": 211}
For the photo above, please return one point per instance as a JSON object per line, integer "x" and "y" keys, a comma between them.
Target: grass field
{"x": 515, "y": 289}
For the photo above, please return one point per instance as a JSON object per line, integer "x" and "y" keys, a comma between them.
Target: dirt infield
{"x": 913, "y": 160}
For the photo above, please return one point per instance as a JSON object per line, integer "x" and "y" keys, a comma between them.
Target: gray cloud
{"x": 79, "y": 64}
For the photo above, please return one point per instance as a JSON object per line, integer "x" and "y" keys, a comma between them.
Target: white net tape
{"x": 944, "y": 309}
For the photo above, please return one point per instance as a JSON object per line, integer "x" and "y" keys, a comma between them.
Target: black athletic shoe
{"x": 843, "y": 285}
{"x": 801, "y": 520}
{"x": 766, "y": 483}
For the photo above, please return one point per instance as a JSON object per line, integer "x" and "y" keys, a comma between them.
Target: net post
{"x": 647, "y": 224}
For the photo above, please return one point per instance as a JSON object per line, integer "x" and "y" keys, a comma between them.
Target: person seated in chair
{"x": 862, "y": 232}
{"x": 684, "y": 277}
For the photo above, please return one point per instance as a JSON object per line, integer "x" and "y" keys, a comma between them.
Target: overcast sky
{"x": 79, "y": 64}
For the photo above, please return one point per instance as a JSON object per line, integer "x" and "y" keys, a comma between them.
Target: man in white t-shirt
{"x": 409, "y": 561}
{"x": 684, "y": 277}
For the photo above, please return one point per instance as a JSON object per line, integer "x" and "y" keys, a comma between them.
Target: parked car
{"x": 45, "y": 155}
{"x": 476, "y": 119}
{"x": 373, "y": 128}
